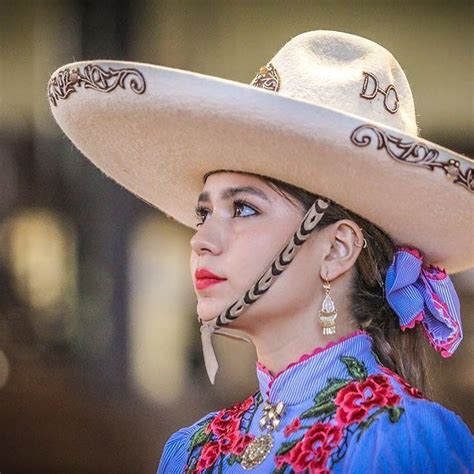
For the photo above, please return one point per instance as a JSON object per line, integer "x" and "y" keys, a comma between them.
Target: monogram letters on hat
{"x": 375, "y": 89}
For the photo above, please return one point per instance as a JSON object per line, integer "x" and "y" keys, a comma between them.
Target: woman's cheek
{"x": 248, "y": 264}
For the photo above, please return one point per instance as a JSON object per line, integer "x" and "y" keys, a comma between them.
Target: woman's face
{"x": 241, "y": 233}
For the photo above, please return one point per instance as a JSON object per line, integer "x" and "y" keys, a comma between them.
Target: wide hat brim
{"x": 157, "y": 131}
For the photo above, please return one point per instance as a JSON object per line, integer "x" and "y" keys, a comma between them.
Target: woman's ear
{"x": 345, "y": 244}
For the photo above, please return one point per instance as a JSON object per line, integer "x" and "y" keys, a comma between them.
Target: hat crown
{"x": 345, "y": 72}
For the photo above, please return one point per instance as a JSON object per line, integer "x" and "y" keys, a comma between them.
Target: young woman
{"x": 325, "y": 231}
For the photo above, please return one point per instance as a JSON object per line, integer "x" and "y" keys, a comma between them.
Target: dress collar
{"x": 300, "y": 380}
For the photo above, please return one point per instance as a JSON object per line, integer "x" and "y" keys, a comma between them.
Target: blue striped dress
{"x": 340, "y": 412}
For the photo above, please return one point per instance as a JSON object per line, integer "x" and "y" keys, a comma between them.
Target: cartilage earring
{"x": 357, "y": 244}
{"x": 363, "y": 244}
{"x": 328, "y": 313}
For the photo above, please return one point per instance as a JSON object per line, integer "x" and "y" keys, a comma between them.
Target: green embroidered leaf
{"x": 288, "y": 446}
{"x": 329, "y": 392}
{"x": 233, "y": 458}
{"x": 333, "y": 380}
{"x": 355, "y": 367}
{"x": 280, "y": 470}
{"x": 395, "y": 413}
{"x": 258, "y": 398}
{"x": 326, "y": 408}
{"x": 363, "y": 425}
{"x": 199, "y": 437}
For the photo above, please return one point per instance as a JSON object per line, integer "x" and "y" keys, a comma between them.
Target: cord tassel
{"x": 210, "y": 359}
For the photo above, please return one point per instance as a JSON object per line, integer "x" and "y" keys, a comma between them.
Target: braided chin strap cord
{"x": 264, "y": 282}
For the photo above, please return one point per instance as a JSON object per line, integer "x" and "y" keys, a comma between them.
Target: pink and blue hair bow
{"x": 420, "y": 293}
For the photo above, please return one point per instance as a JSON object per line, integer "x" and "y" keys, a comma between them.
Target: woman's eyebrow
{"x": 228, "y": 193}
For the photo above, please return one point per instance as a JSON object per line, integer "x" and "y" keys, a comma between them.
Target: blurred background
{"x": 100, "y": 357}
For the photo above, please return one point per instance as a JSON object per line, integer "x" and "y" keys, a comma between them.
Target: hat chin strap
{"x": 210, "y": 360}
{"x": 264, "y": 282}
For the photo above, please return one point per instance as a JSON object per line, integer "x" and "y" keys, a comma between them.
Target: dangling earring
{"x": 328, "y": 313}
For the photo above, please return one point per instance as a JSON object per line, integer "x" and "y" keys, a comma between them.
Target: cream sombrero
{"x": 331, "y": 112}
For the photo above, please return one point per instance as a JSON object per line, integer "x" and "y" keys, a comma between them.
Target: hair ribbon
{"x": 421, "y": 293}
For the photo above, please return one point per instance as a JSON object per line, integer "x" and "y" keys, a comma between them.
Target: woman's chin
{"x": 207, "y": 309}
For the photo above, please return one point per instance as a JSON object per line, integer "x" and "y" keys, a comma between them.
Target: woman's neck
{"x": 285, "y": 340}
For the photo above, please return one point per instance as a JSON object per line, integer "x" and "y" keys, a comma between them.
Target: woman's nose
{"x": 208, "y": 238}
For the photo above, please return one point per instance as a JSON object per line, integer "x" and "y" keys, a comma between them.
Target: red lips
{"x": 205, "y": 278}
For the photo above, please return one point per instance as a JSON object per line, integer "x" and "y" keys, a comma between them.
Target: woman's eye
{"x": 241, "y": 205}
{"x": 201, "y": 212}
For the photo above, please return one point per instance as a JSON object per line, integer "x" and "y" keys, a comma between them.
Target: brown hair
{"x": 402, "y": 352}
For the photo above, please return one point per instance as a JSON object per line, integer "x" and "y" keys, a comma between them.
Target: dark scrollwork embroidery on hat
{"x": 414, "y": 153}
{"x": 66, "y": 81}
{"x": 390, "y": 101}
{"x": 267, "y": 78}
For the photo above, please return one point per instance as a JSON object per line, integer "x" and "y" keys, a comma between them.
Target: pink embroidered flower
{"x": 413, "y": 391}
{"x": 292, "y": 427}
{"x": 280, "y": 460}
{"x": 312, "y": 452}
{"x": 227, "y": 442}
{"x": 245, "y": 405}
{"x": 241, "y": 444}
{"x": 228, "y": 419}
{"x": 223, "y": 424}
{"x": 356, "y": 399}
{"x": 210, "y": 452}
{"x": 234, "y": 442}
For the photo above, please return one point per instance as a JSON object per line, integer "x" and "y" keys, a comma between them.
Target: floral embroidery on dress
{"x": 223, "y": 434}
{"x": 343, "y": 408}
